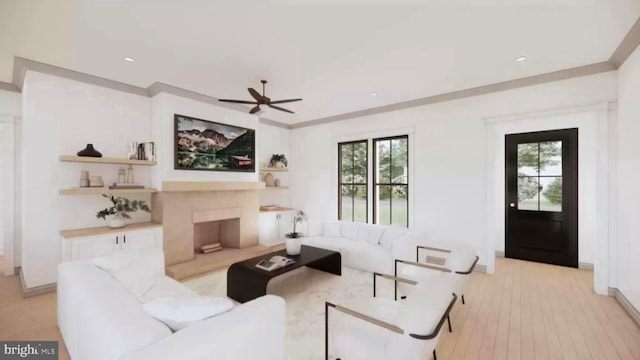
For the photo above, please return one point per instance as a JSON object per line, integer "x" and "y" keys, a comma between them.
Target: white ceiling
{"x": 334, "y": 56}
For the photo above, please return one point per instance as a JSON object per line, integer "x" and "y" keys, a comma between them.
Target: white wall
{"x": 60, "y": 117}
{"x": 450, "y": 172}
{"x": 274, "y": 140}
{"x": 163, "y": 108}
{"x": 628, "y": 180}
{"x": 10, "y": 103}
{"x": 10, "y": 112}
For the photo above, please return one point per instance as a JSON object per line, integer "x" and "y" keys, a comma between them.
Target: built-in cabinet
{"x": 90, "y": 243}
{"x": 274, "y": 225}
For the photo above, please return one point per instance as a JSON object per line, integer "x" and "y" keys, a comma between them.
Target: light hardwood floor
{"x": 524, "y": 311}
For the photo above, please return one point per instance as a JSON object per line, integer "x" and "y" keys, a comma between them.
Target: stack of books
{"x": 209, "y": 248}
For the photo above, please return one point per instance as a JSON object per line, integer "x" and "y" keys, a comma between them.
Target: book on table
{"x": 274, "y": 263}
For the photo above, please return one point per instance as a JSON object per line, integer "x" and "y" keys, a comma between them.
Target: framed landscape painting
{"x": 208, "y": 145}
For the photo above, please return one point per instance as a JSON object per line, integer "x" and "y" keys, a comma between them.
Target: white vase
{"x": 293, "y": 245}
{"x": 116, "y": 221}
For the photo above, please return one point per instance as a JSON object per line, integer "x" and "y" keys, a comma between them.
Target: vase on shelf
{"x": 116, "y": 221}
{"x": 84, "y": 178}
{"x": 89, "y": 151}
{"x": 293, "y": 243}
{"x": 269, "y": 180}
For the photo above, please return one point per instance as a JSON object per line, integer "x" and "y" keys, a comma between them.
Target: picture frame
{"x": 213, "y": 146}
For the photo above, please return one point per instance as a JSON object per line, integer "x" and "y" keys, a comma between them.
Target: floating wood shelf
{"x": 276, "y": 209}
{"x": 185, "y": 186}
{"x": 75, "y": 233}
{"x": 276, "y": 187}
{"x": 272, "y": 169}
{"x": 104, "y": 160}
{"x": 104, "y": 190}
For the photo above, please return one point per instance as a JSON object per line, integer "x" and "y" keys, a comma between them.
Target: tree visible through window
{"x": 391, "y": 188}
{"x": 540, "y": 176}
{"x": 353, "y": 178}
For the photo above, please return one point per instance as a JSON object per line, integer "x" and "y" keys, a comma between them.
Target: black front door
{"x": 542, "y": 197}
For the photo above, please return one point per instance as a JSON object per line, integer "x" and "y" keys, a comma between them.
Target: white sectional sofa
{"x": 365, "y": 247}
{"x": 100, "y": 319}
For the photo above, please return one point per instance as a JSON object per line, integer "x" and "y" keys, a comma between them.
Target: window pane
{"x": 528, "y": 159}
{"x": 383, "y": 205}
{"x": 360, "y": 203}
{"x": 399, "y": 168}
{"x": 383, "y": 159}
{"x": 347, "y": 203}
{"x": 399, "y": 208}
{"x": 360, "y": 163}
{"x": 551, "y": 194}
{"x": 551, "y": 158}
{"x": 346, "y": 163}
{"x": 527, "y": 193}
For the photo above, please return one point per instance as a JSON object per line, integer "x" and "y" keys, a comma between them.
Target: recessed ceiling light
{"x": 373, "y": 94}
{"x": 521, "y": 58}
{"x": 129, "y": 59}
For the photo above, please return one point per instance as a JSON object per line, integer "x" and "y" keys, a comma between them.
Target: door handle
{"x": 125, "y": 238}
{"x": 512, "y": 205}
{"x": 116, "y": 240}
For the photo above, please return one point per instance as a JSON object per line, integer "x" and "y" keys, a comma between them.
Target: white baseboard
{"x": 499, "y": 253}
{"x": 626, "y": 304}
{"x": 35, "y": 291}
{"x": 585, "y": 266}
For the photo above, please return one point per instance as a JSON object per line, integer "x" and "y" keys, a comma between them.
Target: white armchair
{"x": 460, "y": 261}
{"x": 384, "y": 329}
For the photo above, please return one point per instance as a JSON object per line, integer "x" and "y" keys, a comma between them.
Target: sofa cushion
{"x": 140, "y": 275}
{"x": 324, "y": 242}
{"x": 391, "y": 234}
{"x": 179, "y": 312}
{"x": 423, "y": 309}
{"x": 349, "y": 230}
{"x": 370, "y": 233}
{"x": 166, "y": 287}
{"x": 115, "y": 263}
{"x": 331, "y": 229}
{"x": 368, "y": 257}
{"x": 461, "y": 258}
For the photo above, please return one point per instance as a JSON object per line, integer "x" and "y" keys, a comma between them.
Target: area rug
{"x": 305, "y": 291}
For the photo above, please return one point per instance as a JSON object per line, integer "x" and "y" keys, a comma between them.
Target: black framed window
{"x": 353, "y": 181}
{"x": 391, "y": 181}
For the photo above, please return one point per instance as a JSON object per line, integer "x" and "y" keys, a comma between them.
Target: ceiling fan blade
{"x": 256, "y": 95}
{"x": 281, "y": 109}
{"x": 255, "y": 109}
{"x": 238, "y": 101}
{"x": 285, "y": 101}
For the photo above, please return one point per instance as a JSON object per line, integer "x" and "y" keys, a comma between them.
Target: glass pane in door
{"x": 551, "y": 194}
{"x": 528, "y": 193}
{"x": 528, "y": 159}
{"x": 551, "y": 158}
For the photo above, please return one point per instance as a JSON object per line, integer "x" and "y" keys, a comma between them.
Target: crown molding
{"x": 8, "y": 87}
{"x": 461, "y": 94}
{"x": 22, "y": 65}
{"x": 627, "y": 46}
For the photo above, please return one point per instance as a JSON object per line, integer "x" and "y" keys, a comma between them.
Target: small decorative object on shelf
{"x": 122, "y": 175}
{"x": 269, "y": 181}
{"x": 84, "y": 178}
{"x": 278, "y": 161}
{"x": 277, "y": 183}
{"x": 89, "y": 151}
{"x": 293, "y": 243}
{"x": 142, "y": 151}
{"x": 120, "y": 210}
{"x": 117, "y": 186}
{"x": 130, "y": 179}
{"x": 96, "y": 181}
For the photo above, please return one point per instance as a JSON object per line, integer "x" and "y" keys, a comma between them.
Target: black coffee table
{"x": 246, "y": 282}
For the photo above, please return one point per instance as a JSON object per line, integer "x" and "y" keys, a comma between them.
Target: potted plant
{"x": 278, "y": 161}
{"x": 120, "y": 210}
{"x": 293, "y": 242}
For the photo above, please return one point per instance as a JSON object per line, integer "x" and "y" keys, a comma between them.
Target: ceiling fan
{"x": 261, "y": 100}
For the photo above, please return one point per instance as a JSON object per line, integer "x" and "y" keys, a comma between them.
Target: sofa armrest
{"x": 254, "y": 330}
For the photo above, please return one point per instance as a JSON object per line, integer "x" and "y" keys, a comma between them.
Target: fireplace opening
{"x": 212, "y": 236}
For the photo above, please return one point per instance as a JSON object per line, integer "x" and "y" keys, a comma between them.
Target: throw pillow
{"x": 349, "y": 230}
{"x": 331, "y": 229}
{"x": 391, "y": 234}
{"x": 116, "y": 262}
{"x": 140, "y": 275}
{"x": 182, "y": 311}
{"x": 370, "y": 233}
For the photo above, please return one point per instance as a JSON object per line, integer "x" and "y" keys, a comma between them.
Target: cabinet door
{"x": 285, "y": 225}
{"x": 268, "y": 228}
{"x": 91, "y": 247}
{"x": 141, "y": 241}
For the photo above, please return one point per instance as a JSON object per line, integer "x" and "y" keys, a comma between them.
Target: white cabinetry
{"x": 274, "y": 225}
{"x": 90, "y": 243}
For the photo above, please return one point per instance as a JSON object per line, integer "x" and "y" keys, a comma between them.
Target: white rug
{"x": 305, "y": 291}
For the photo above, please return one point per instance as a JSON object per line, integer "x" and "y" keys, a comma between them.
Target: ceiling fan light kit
{"x": 261, "y": 100}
